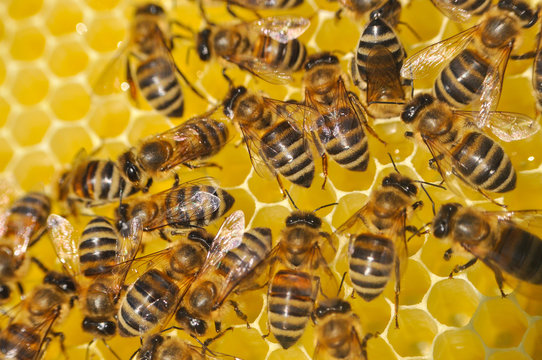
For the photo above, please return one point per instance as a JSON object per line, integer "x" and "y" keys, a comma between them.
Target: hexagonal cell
{"x": 68, "y": 58}
{"x": 531, "y": 305}
{"x": 147, "y": 125}
{"x": 527, "y": 194}
{"x": 64, "y": 17}
{"x": 2, "y": 71}
{"x": 327, "y": 35}
{"x": 378, "y": 348}
{"x": 28, "y": 44}
{"x": 30, "y": 86}
{"x": 235, "y": 165}
{"x": 109, "y": 117}
{"x": 266, "y": 190}
{"x": 243, "y": 343}
{"x": 6, "y": 152}
{"x": 272, "y": 217}
{"x": 34, "y": 170}
{"x": 105, "y": 32}
{"x": 70, "y": 102}
{"x": 314, "y": 197}
{"x": 2, "y": 30}
{"x": 452, "y": 302}
{"x": 102, "y": 4}
{"x": 374, "y": 315}
{"x": 433, "y": 257}
{"x": 462, "y": 344}
{"x": 348, "y": 205}
{"x": 500, "y": 323}
{"x": 22, "y": 9}
{"x": 30, "y": 126}
{"x": 245, "y": 202}
{"x": 67, "y": 142}
{"x": 533, "y": 340}
{"x": 5, "y": 109}
{"x": 509, "y": 355}
{"x": 415, "y": 334}
{"x": 414, "y": 284}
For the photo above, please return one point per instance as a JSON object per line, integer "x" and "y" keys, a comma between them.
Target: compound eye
{"x": 131, "y": 172}
{"x": 199, "y": 326}
{"x": 5, "y": 292}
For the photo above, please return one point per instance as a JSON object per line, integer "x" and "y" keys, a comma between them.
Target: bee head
{"x": 193, "y": 325}
{"x": 63, "y": 282}
{"x": 402, "y": 183}
{"x": 330, "y": 306}
{"x": 128, "y": 166}
{"x": 150, "y": 9}
{"x": 231, "y": 100}
{"x": 521, "y": 10}
{"x": 320, "y": 59}
{"x": 203, "y": 46}
{"x": 148, "y": 349}
{"x": 5, "y": 292}
{"x": 303, "y": 218}
{"x": 99, "y": 326}
{"x": 441, "y": 222}
{"x": 417, "y": 104}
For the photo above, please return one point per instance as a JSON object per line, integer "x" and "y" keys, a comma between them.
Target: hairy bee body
{"x": 162, "y": 347}
{"x": 537, "y": 77}
{"x": 98, "y": 247}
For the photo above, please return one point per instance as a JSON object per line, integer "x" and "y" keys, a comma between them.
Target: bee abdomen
{"x": 475, "y": 7}
{"x": 289, "y": 153}
{"x": 484, "y": 163}
{"x": 254, "y": 248}
{"x": 212, "y": 135}
{"x": 518, "y": 252}
{"x": 148, "y": 302}
{"x": 19, "y": 341}
{"x": 291, "y": 299}
{"x": 371, "y": 264}
{"x": 460, "y": 83}
{"x": 33, "y": 208}
{"x": 159, "y": 85}
{"x": 98, "y": 247}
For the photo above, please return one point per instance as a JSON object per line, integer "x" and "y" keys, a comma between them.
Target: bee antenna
{"x": 393, "y": 163}
{"x": 420, "y": 231}
{"x": 429, "y": 197}
{"x": 431, "y": 184}
{"x": 325, "y": 206}
{"x": 291, "y": 200}
{"x": 386, "y": 102}
{"x": 228, "y": 79}
{"x": 341, "y": 284}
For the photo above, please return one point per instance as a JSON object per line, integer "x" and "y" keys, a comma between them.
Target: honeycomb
{"x": 52, "y": 51}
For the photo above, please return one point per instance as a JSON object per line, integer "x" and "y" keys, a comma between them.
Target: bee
{"x": 267, "y": 48}
{"x": 456, "y": 142}
{"x": 149, "y": 65}
{"x": 191, "y": 204}
{"x": 222, "y": 271}
{"x": 93, "y": 182}
{"x": 153, "y": 298}
{"x": 22, "y": 225}
{"x": 463, "y": 10}
{"x": 294, "y": 288}
{"x": 376, "y": 234}
{"x": 101, "y": 260}
{"x": 478, "y": 56}
{"x": 360, "y": 7}
{"x": 377, "y": 63}
{"x": 275, "y": 142}
{"x": 537, "y": 74}
{"x": 499, "y": 239}
{"x": 338, "y": 331}
{"x": 338, "y": 128}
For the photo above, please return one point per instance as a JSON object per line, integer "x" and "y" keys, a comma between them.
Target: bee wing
{"x": 6, "y": 193}
{"x": 280, "y": 28}
{"x": 261, "y": 69}
{"x": 451, "y": 11}
{"x": 113, "y": 76}
{"x": 357, "y": 223}
{"x": 398, "y": 234}
{"x": 526, "y": 218}
{"x": 62, "y": 236}
{"x": 256, "y": 148}
{"x": 129, "y": 244}
{"x": 301, "y": 117}
{"x": 383, "y": 80}
{"x": 435, "y": 56}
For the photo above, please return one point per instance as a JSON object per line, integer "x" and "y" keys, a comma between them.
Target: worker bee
{"x": 377, "y": 64}
{"x": 148, "y": 63}
{"x": 157, "y": 156}
{"x": 274, "y": 140}
{"x": 22, "y": 224}
{"x": 338, "y": 127}
{"x": 359, "y": 8}
{"x": 338, "y": 332}
{"x": 153, "y": 298}
{"x": 267, "y": 48}
{"x": 93, "y": 182}
{"x": 463, "y": 10}
{"x": 457, "y": 144}
{"x": 222, "y": 271}
{"x": 537, "y": 74}
{"x": 294, "y": 287}
{"x": 190, "y": 204}
{"x": 497, "y": 238}
{"x": 376, "y": 234}
{"x": 473, "y": 62}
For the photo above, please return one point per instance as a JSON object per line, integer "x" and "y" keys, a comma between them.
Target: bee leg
{"x": 20, "y": 288}
{"x": 353, "y": 294}
{"x": 72, "y": 300}
{"x": 163, "y": 235}
{"x": 239, "y": 313}
{"x": 448, "y": 254}
{"x": 498, "y": 277}
{"x": 397, "y": 291}
{"x": 484, "y": 194}
{"x": 131, "y": 82}
{"x": 433, "y": 162}
{"x": 338, "y": 14}
{"x": 218, "y": 326}
{"x": 282, "y": 190}
{"x": 417, "y": 204}
{"x": 324, "y": 169}
{"x": 177, "y": 180}
{"x": 147, "y": 186}
{"x": 111, "y": 350}
{"x": 460, "y": 268}
{"x": 208, "y": 342}
{"x": 87, "y": 352}
{"x": 526, "y": 56}
{"x": 61, "y": 339}
{"x": 194, "y": 90}
{"x": 201, "y": 165}
{"x": 40, "y": 264}
{"x": 43, "y": 347}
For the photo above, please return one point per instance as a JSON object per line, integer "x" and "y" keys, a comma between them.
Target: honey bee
{"x": 267, "y": 48}
{"x": 294, "y": 288}
{"x": 359, "y": 8}
{"x": 456, "y": 142}
{"x": 21, "y": 225}
{"x": 149, "y": 65}
{"x": 338, "y": 331}
{"x": 478, "y": 58}
{"x": 157, "y": 156}
{"x": 537, "y": 74}
{"x": 376, "y": 234}
{"x": 275, "y": 142}
{"x": 154, "y": 296}
{"x": 377, "y": 64}
{"x": 496, "y": 238}
{"x": 93, "y": 182}
{"x": 338, "y": 128}
{"x": 222, "y": 271}
{"x": 190, "y": 204}
{"x": 462, "y": 11}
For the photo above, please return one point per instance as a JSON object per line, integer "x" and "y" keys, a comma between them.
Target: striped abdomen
{"x": 460, "y": 82}
{"x": 267, "y": 4}
{"x": 377, "y": 33}
{"x": 483, "y": 163}
{"x": 210, "y": 137}
{"x": 288, "y": 152}
{"x": 147, "y": 303}
{"x": 344, "y": 139}
{"x": 288, "y": 56}
{"x": 98, "y": 247}
{"x": 518, "y": 252}
{"x": 158, "y": 83}
{"x": 372, "y": 260}
{"x": 19, "y": 341}
{"x": 291, "y": 299}
{"x": 28, "y": 215}
{"x": 199, "y": 205}
{"x": 473, "y": 7}
{"x": 537, "y": 79}
{"x": 100, "y": 180}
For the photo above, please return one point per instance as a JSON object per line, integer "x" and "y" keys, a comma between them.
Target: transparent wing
{"x": 356, "y": 224}
{"x": 280, "y": 28}
{"x": 64, "y": 243}
{"x": 129, "y": 244}
{"x": 113, "y": 76}
{"x": 261, "y": 69}
{"x": 301, "y": 117}
{"x": 383, "y": 80}
{"x": 6, "y": 192}
{"x": 451, "y": 11}
{"x": 437, "y": 55}
{"x": 256, "y": 148}
{"x": 526, "y": 217}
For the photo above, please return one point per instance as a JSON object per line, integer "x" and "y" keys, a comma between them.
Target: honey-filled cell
{"x": 70, "y": 101}
{"x": 63, "y": 17}
{"x": 533, "y": 340}
{"x": 6, "y": 153}
{"x": 30, "y": 126}
{"x": 5, "y": 109}
{"x": 19, "y": 10}
{"x": 30, "y": 85}
{"x": 105, "y": 33}
{"x": 452, "y": 302}
{"x": 415, "y": 333}
{"x": 109, "y": 118}
{"x": 34, "y": 170}
{"x": 414, "y": 284}
{"x": 68, "y": 141}
{"x": 28, "y": 44}
{"x": 68, "y": 58}
{"x": 460, "y": 344}
{"x": 509, "y": 355}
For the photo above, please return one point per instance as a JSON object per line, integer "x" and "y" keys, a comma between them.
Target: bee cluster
{"x": 140, "y": 257}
